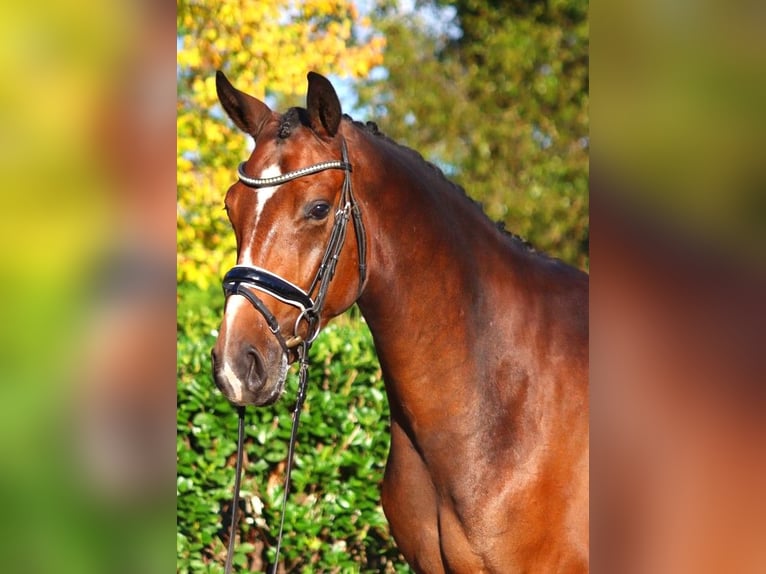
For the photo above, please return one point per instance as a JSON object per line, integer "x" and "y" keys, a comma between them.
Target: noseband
{"x": 244, "y": 279}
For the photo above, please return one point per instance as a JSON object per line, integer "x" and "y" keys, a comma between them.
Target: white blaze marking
{"x": 233, "y": 380}
{"x": 263, "y": 195}
{"x": 235, "y": 304}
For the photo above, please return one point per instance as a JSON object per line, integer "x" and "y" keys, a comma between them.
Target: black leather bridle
{"x": 246, "y": 280}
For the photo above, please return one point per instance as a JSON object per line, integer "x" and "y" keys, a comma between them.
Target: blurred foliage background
{"x": 87, "y": 298}
{"x": 494, "y": 93}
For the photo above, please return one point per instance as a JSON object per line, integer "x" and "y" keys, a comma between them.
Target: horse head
{"x": 296, "y": 265}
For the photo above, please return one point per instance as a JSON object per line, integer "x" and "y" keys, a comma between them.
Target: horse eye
{"x": 319, "y": 210}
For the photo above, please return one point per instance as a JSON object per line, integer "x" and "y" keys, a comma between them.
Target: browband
{"x": 290, "y": 175}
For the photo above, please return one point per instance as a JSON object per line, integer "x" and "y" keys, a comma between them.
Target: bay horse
{"x": 483, "y": 343}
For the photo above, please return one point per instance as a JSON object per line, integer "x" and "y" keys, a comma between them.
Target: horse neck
{"x": 430, "y": 290}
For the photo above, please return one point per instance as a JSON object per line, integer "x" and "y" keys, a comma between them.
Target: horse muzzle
{"x": 249, "y": 377}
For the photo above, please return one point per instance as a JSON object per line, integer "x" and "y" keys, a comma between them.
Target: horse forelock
{"x": 292, "y": 119}
{"x": 296, "y": 116}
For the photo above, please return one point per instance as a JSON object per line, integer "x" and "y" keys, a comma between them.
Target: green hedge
{"x": 334, "y": 521}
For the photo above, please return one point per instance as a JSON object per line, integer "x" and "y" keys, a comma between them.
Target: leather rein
{"x": 246, "y": 280}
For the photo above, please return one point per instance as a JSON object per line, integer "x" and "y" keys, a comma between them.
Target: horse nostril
{"x": 256, "y": 371}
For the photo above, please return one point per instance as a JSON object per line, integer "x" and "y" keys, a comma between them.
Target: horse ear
{"x": 248, "y": 113}
{"x": 323, "y": 105}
